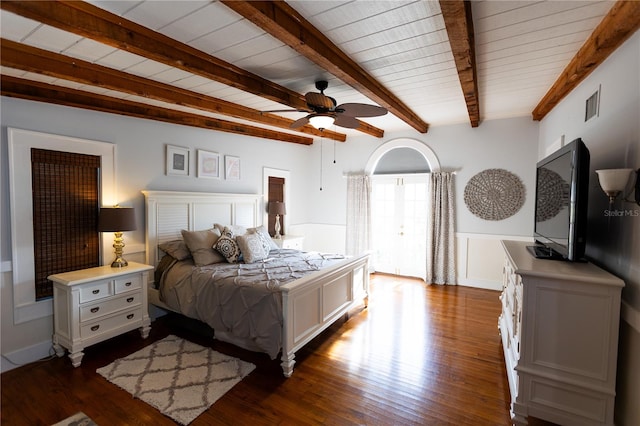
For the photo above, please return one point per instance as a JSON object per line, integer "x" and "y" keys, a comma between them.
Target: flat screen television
{"x": 562, "y": 190}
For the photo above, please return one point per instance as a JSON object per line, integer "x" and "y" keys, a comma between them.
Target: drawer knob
{"x": 95, "y": 327}
{"x": 130, "y": 316}
{"x": 96, "y": 291}
{"x": 94, "y": 310}
{"x": 130, "y": 299}
{"x": 128, "y": 284}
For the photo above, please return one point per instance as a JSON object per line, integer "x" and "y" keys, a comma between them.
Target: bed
{"x": 307, "y": 302}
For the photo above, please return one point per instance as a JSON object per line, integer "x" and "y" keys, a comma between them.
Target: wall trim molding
{"x": 630, "y": 315}
{"x": 419, "y": 146}
{"x": 20, "y": 143}
{"x": 464, "y": 274}
{"x": 24, "y": 356}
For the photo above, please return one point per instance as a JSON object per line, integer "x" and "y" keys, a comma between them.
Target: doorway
{"x": 399, "y": 171}
{"x": 399, "y": 223}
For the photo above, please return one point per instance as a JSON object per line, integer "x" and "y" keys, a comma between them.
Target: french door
{"x": 399, "y": 221}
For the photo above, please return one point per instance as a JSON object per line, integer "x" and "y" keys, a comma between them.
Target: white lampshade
{"x": 321, "y": 122}
{"x": 613, "y": 180}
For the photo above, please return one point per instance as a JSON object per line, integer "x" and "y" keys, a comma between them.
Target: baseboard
{"x": 630, "y": 315}
{"x": 480, "y": 283}
{"x": 25, "y": 356}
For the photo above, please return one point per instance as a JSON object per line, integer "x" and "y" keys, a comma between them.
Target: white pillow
{"x": 235, "y": 229}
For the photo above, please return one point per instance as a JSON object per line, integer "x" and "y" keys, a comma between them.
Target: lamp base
{"x": 277, "y": 236}
{"x": 119, "y": 263}
{"x": 118, "y": 245}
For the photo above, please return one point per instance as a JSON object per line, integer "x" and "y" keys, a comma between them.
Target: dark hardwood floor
{"x": 418, "y": 355}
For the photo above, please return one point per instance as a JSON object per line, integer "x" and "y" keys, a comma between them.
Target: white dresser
{"x": 289, "y": 242}
{"x": 95, "y": 304}
{"x": 559, "y": 328}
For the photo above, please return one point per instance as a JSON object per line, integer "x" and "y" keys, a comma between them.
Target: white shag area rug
{"x": 78, "y": 419}
{"x": 178, "y": 377}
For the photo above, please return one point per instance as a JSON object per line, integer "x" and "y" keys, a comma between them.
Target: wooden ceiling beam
{"x": 287, "y": 25}
{"x": 33, "y": 59}
{"x": 43, "y": 92}
{"x": 622, "y": 21}
{"x": 90, "y": 21}
{"x": 459, "y": 24}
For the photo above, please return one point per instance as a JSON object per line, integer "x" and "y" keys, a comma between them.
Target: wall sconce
{"x": 117, "y": 219}
{"x": 614, "y": 182}
{"x": 277, "y": 208}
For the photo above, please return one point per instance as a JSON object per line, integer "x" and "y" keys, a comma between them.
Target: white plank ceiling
{"x": 521, "y": 48}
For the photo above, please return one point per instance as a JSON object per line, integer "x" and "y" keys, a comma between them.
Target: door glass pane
{"x": 383, "y": 215}
{"x": 413, "y": 263}
{"x": 399, "y": 216}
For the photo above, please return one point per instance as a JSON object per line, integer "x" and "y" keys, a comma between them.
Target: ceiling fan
{"x": 323, "y": 111}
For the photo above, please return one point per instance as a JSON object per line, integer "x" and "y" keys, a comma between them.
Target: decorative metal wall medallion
{"x": 494, "y": 194}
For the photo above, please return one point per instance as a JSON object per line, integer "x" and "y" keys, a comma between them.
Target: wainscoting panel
{"x": 480, "y": 258}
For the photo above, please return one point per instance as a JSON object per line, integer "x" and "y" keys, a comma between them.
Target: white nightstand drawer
{"x": 95, "y": 291}
{"x": 90, "y": 312}
{"x": 128, "y": 283}
{"x": 107, "y": 324}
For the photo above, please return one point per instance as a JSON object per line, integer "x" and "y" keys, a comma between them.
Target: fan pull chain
{"x": 321, "y": 140}
{"x": 334, "y": 151}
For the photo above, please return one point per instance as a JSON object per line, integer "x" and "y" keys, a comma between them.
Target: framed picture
{"x": 177, "y": 160}
{"x": 208, "y": 164}
{"x": 232, "y": 167}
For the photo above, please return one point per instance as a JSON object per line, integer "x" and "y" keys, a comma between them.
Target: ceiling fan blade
{"x": 346, "y": 121}
{"x": 319, "y": 100}
{"x": 299, "y": 122}
{"x": 361, "y": 110}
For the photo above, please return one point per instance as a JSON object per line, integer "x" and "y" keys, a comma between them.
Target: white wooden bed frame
{"x": 310, "y": 304}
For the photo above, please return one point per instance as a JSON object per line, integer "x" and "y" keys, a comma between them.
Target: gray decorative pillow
{"x": 201, "y": 245}
{"x": 176, "y": 249}
{"x": 262, "y": 231}
{"x": 228, "y": 248}
{"x": 252, "y": 247}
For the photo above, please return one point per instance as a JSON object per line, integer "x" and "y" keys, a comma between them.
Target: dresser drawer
{"x": 128, "y": 283}
{"x": 97, "y": 310}
{"x": 132, "y": 316}
{"x": 95, "y": 291}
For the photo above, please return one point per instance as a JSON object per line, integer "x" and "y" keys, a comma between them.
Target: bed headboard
{"x": 168, "y": 212}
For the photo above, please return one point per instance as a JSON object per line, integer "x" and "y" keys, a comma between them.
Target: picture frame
{"x": 232, "y": 167}
{"x": 177, "y": 161}
{"x": 208, "y": 164}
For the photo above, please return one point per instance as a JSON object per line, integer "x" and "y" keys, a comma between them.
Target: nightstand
{"x": 95, "y": 304}
{"x": 289, "y": 242}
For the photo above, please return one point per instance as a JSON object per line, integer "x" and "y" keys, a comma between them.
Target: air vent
{"x": 592, "y": 106}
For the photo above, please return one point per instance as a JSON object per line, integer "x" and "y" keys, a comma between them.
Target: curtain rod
{"x": 345, "y": 175}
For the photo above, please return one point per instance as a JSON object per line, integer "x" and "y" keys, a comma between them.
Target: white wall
{"x": 509, "y": 144}
{"x": 613, "y": 139}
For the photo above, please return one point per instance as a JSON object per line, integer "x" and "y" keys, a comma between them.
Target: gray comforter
{"x": 243, "y": 298}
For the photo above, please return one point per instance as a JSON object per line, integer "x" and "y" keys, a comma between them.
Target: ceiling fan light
{"x": 321, "y": 122}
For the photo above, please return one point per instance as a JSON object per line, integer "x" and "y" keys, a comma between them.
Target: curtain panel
{"x": 441, "y": 267}
{"x": 358, "y": 214}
